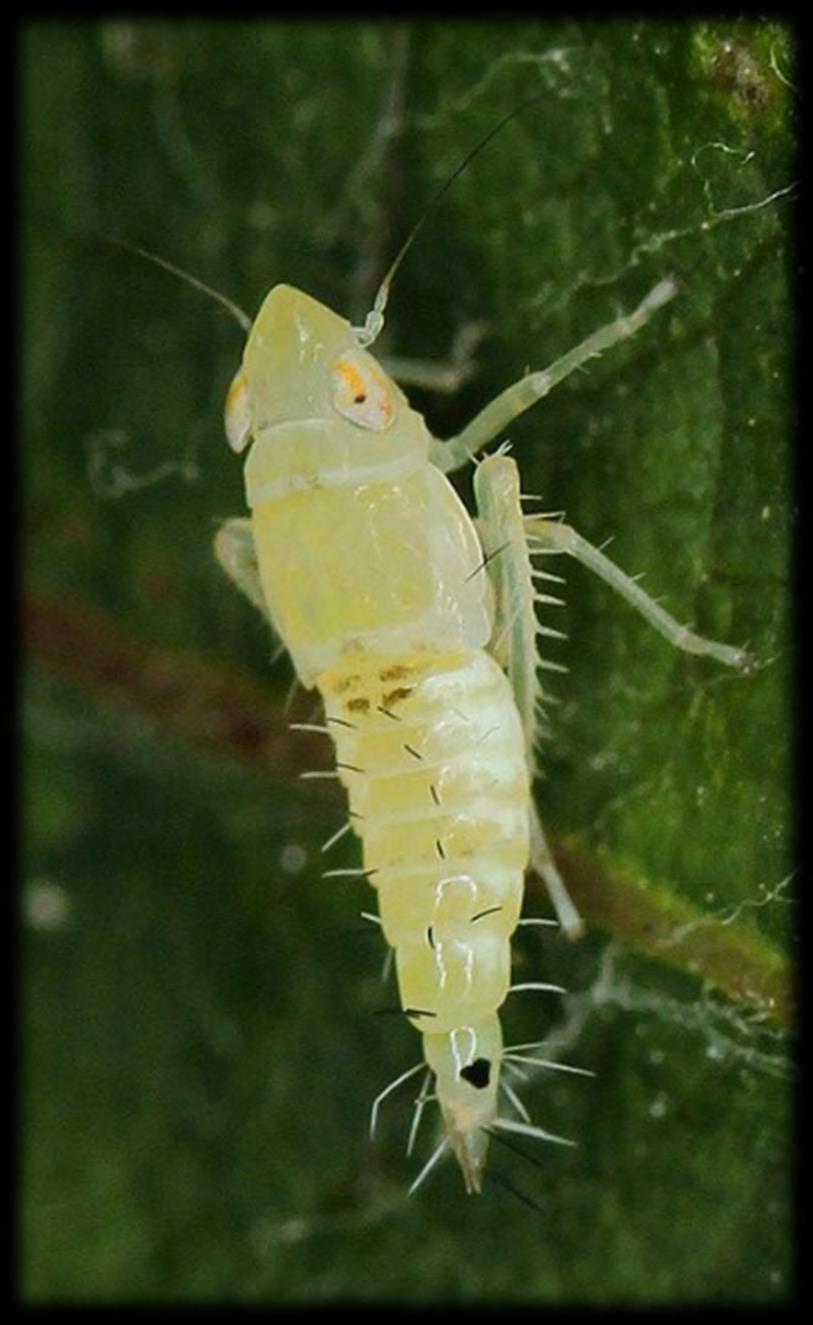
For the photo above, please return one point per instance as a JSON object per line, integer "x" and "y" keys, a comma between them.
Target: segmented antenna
{"x": 374, "y": 321}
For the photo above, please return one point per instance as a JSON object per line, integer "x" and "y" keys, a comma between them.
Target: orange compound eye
{"x": 237, "y": 413}
{"x": 362, "y": 393}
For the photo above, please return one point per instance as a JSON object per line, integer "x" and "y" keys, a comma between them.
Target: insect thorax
{"x": 380, "y": 559}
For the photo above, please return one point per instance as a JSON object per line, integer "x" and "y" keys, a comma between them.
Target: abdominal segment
{"x": 431, "y": 750}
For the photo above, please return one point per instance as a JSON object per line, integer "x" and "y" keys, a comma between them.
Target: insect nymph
{"x": 418, "y": 629}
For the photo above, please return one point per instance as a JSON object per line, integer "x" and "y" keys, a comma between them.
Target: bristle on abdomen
{"x": 431, "y": 750}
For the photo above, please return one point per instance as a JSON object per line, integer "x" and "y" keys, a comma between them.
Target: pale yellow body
{"x": 372, "y": 573}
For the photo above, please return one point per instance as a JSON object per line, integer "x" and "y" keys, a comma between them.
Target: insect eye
{"x": 361, "y": 393}
{"x": 237, "y": 412}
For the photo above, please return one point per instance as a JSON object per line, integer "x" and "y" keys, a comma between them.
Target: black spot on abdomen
{"x": 478, "y": 1073}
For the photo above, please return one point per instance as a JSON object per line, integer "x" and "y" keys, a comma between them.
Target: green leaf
{"x": 201, "y": 1049}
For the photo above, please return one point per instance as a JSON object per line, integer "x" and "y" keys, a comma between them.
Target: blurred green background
{"x": 200, "y": 1044}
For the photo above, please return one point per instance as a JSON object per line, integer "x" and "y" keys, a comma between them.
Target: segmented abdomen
{"x": 431, "y": 750}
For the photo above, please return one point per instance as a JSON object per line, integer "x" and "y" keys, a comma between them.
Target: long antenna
{"x": 237, "y": 313}
{"x": 374, "y": 321}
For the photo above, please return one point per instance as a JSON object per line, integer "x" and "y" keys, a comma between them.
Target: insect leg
{"x": 447, "y": 376}
{"x": 507, "y": 561}
{"x": 237, "y": 555}
{"x": 545, "y": 866}
{"x": 553, "y": 537}
{"x": 235, "y": 551}
{"x": 502, "y": 530}
{"x": 492, "y": 420}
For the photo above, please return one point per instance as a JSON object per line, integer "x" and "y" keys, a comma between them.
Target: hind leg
{"x": 550, "y": 536}
{"x": 514, "y": 640}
